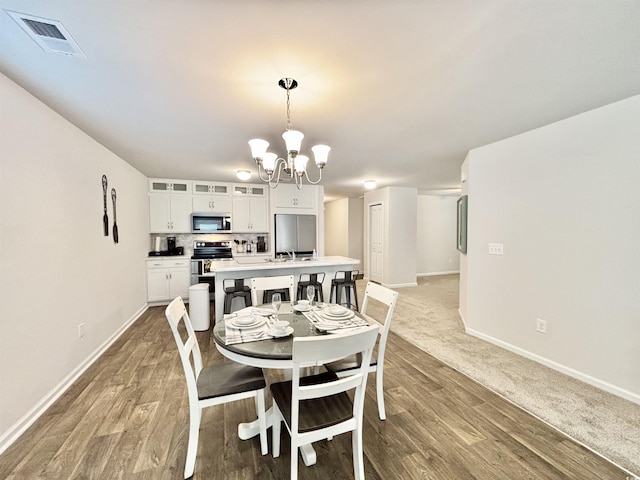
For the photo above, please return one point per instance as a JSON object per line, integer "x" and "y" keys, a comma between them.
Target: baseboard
{"x": 434, "y": 274}
{"x": 25, "y": 422}
{"x": 400, "y": 285}
{"x": 464, "y": 324}
{"x": 583, "y": 377}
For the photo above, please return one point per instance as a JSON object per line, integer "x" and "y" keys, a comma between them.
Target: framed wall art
{"x": 461, "y": 237}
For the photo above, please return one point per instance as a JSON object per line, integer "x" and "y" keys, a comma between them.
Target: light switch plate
{"x": 496, "y": 249}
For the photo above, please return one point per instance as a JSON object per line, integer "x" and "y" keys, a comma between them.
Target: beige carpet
{"x": 427, "y": 316}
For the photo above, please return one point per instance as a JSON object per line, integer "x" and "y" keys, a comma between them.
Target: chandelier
{"x": 271, "y": 167}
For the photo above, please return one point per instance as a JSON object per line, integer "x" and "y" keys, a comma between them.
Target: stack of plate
{"x": 246, "y": 321}
{"x": 336, "y": 313}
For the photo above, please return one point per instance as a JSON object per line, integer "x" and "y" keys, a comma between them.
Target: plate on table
{"x": 246, "y": 321}
{"x": 265, "y": 312}
{"x": 337, "y": 313}
{"x": 288, "y": 331}
{"x": 301, "y": 308}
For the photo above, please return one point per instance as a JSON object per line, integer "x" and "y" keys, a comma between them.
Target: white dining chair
{"x": 261, "y": 284}
{"x": 214, "y": 384}
{"x": 318, "y": 407}
{"x": 388, "y": 299}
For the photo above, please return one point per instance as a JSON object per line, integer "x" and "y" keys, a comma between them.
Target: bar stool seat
{"x": 306, "y": 279}
{"x": 345, "y": 280}
{"x": 237, "y": 289}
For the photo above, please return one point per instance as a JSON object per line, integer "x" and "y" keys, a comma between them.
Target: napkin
{"x": 238, "y": 335}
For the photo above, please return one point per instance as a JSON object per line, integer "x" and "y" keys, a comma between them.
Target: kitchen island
{"x": 248, "y": 267}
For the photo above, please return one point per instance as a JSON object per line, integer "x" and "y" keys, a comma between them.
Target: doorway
{"x": 376, "y": 242}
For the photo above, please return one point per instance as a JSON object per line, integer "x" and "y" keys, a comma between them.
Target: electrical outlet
{"x": 541, "y": 325}
{"x": 80, "y": 330}
{"x": 496, "y": 249}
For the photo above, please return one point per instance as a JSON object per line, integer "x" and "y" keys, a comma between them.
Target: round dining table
{"x": 269, "y": 353}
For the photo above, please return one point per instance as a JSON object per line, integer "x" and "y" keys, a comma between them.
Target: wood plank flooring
{"x": 127, "y": 418}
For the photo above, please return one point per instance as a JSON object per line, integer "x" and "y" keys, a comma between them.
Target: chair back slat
{"x": 326, "y": 389}
{"x": 260, "y": 284}
{"x": 308, "y": 350}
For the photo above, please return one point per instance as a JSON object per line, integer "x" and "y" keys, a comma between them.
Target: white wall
{"x": 400, "y": 234}
{"x": 57, "y": 268}
{"x": 343, "y": 234}
{"x": 356, "y": 226}
{"x": 564, "y": 201}
{"x": 436, "y": 229}
{"x": 336, "y": 236}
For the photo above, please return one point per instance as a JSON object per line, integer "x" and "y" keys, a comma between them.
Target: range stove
{"x": 204, "y": 255}
{"x": 212, "y": 251}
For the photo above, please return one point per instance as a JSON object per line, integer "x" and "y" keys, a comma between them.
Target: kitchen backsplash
{"x": 186, "y": 240}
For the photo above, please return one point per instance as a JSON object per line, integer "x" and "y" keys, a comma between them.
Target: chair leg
{"x": 294, "y": 461}
{"x": 262, "y": 422}
{"x": 192, "y": 449}
{"x": 227, "y": 303}
{"x": 355, "y": 296}
{"x": 358, "y": 457}
{"x": 275, "y": 431}
{"x": 380, "y": 393}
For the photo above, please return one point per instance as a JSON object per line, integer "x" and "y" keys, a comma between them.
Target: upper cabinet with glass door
{"x": 162, "y": 185}
{"x": 250, "y": 190}
{"x": 211, "y": 197}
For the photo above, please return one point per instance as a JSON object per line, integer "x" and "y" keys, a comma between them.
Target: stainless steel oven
{"x": 206, "y": 254}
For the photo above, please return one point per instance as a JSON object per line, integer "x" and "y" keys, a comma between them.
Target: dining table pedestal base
{"x": 252, "y": 429}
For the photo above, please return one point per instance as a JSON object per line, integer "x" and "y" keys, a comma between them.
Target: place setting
{"x": 331, "y": 318}
{"x": 256, "y": 323}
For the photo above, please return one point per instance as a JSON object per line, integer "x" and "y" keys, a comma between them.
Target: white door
{"x": 376, "y": 237}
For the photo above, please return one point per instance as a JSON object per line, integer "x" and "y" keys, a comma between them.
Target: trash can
{"x": 199, "y": 306}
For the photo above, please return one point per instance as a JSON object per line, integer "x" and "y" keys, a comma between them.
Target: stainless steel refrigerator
{"x": 295, "y": 233}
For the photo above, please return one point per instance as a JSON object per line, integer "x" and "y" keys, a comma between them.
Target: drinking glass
{"x": 311, "y": 293}
{"x": 276, "y": 301}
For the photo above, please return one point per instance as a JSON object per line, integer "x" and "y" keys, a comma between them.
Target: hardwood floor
{"x": 127, "y": 418}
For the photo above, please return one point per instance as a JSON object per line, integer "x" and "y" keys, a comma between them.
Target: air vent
{"x": 49, "y": 34}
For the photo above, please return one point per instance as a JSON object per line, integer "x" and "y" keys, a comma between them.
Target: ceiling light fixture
{"x": 243, "y": 175}
{"x": 370, "y": 184}
{"x": 295, "y": 165}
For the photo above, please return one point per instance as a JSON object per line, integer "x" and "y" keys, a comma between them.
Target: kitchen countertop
{"x": 260, "y": 263}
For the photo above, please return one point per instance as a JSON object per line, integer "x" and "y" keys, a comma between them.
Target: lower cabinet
{"x": 168, "y": 279}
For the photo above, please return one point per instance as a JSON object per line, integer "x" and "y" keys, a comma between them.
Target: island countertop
{"x": 252, "y": 263}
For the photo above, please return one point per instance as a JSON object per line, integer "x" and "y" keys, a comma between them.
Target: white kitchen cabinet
{"x": 250, "y": 214}
{"x": 211, "y": 197}
{"x": 167, "y": 279}
{"x": 289, "y": 196}
{"x": 169, "y": 213}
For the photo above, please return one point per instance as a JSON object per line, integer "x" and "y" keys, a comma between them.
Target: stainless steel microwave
{"x": 210, "y": 223}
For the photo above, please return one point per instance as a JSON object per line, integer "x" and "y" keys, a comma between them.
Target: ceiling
{"x": 400, "y": 90}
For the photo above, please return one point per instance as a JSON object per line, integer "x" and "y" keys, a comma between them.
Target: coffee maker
{"x": 261, "y": 245}
{"x": 171, "y": 244}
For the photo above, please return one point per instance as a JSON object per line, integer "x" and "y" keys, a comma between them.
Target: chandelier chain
{"x": 289, "y": 126}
